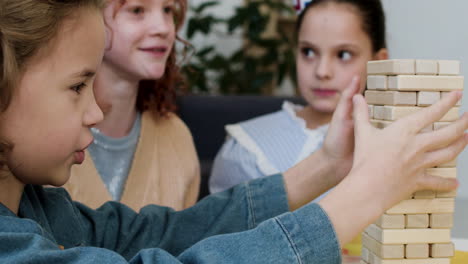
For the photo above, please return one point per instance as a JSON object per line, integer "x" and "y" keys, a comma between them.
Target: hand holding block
{"x": 391, "y": 67}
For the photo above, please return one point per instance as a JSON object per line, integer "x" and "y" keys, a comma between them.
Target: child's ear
{"x": 382, "y": 54}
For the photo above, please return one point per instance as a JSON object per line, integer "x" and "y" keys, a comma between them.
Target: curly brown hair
{"x": 26, "y": 27}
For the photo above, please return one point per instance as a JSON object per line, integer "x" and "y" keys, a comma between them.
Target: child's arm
{"x": 305, "y": 236}
{"x": 116, "y": 227}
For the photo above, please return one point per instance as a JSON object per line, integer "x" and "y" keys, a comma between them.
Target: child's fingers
{"x": 344, "y": 106}
{"x": 445, "y": 136}
{"x": 438, "y": 183}
{"x": 434, "y": 113}
{"x": 446, "y": 154}
{"x": 361, "y": 113}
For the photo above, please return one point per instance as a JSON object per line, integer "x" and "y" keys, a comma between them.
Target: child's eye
{"x": 77, "y": 88}
{"x": 345, "y": 55}
{"x": 308, "y": 52}
{"x": 168, "y": 9}
{"x": 137, "y": 10}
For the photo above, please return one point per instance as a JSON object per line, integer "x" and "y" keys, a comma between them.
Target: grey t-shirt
{"x": 113, "y": 157}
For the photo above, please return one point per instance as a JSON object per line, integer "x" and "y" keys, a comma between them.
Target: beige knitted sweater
{"x": 165, "y": 169}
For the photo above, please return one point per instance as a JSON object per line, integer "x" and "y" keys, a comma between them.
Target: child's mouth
{"x": 159, "y": 51}
{"x": 79, "y": 157}
{"x": 324, "y": 92}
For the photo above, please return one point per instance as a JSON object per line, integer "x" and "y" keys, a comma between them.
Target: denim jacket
{"x": 246, "y": 224}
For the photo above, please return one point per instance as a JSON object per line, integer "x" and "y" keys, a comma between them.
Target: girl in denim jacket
{"x": 50, "y": 52}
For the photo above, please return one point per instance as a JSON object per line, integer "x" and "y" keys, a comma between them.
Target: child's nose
{"x": 324, "y": 69}
{"x": 93, "y": 114}
{"x": 159, "y": 25}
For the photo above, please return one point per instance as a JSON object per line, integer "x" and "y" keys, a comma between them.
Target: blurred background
{"x": 246, "y": 47}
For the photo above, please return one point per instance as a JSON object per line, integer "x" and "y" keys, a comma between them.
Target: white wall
{"x": 431, "y": 29}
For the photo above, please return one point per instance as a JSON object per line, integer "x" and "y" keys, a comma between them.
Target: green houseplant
{"x": 259, "y": 65}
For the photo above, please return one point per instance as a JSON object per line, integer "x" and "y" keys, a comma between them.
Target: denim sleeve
{"x": 233, "y": 165}
{"x": 304, "y": 236}
{"x": 120, "y": 229}
{"x": 220, "y": 230}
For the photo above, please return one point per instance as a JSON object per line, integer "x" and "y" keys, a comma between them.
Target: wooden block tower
{"x": 417, "y": 230}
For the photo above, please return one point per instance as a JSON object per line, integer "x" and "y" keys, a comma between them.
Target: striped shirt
{"x": 263, "y": 146}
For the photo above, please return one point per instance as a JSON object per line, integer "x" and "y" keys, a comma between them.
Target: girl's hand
{"x": 389, "y": 164}
{"x": 399, "y": 154}
{"x": 338, "y": 146}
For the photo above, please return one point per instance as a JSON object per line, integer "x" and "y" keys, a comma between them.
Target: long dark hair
{"x": 371, "y": 13}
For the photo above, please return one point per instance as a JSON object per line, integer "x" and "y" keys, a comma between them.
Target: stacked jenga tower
{"x": 417, "y": 230}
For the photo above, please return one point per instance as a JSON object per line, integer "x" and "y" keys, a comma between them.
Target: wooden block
{"x": 391, "y": 221}
{"x": 365, "y": 254}
{"x": 441, "y": 221}
{"x": 450, "y": 173}
{"x": 427, "y": 129}
{"x": 439, "y": 125}
{"x": 380, "y": 123}
{"x": 442, "y": 250}
{"x": 425, "y": 194}
{"x": 377, "y": 82}
{"x": 408, "y": 236}
{"x": 427, "y": 67}
{"x": 450, "y": 164}
{"x": 427, "y": 98}
{"x": 449, "y": 67}
{"x": 392, "y": 113}
{"x": 425, "y": 83}
{"x": 417, "y": 221}
{"x": 417, "y": 251}
{"x": 391, "y": 67}
{"x": 450, "y": 194}
{"x": 424, "y": 206}
{"x": 371, "y": 111}
{"x": 452, "y": 115}
{"x": 390, "y": 98}
{"x": 382, "y": 251}
{"x": 442, "y": 94}
{"x": 376, "y": 260}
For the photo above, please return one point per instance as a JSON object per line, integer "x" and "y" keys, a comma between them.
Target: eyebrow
{"x": 340, "y": 46}
{"x": 85, "y": 73}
